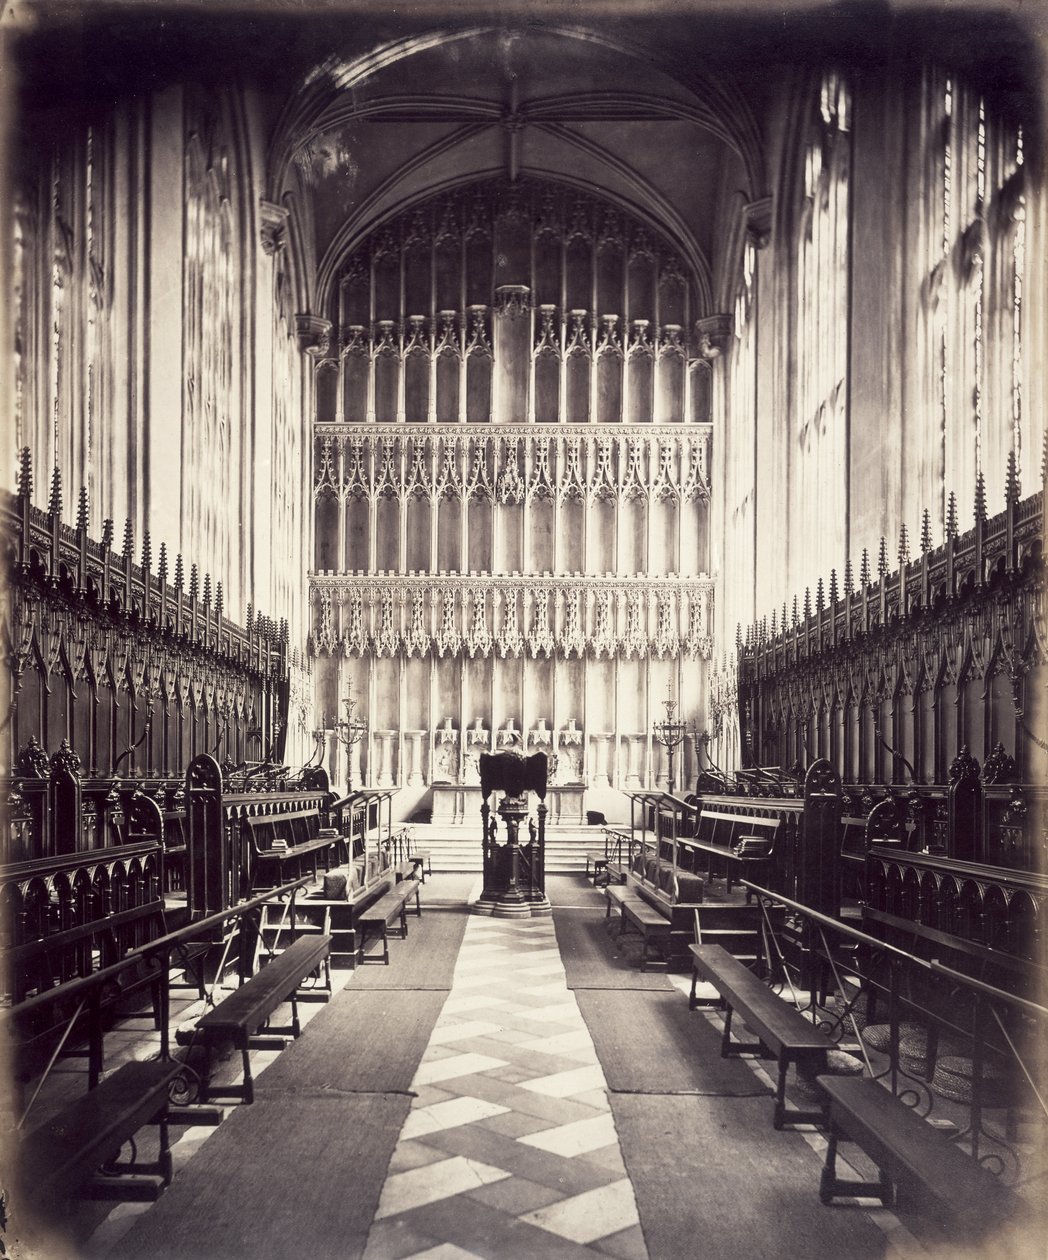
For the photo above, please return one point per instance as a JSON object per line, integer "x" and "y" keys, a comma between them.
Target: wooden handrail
{"x": 145, "y": 953}
{"x": 978, "y": 986}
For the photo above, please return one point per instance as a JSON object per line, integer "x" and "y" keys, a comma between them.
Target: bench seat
{"x": 57, "y": 1160}
{"x": 242, "y": 1014}
{"x": 782, "y": 1031}
{"x": 652, "y": 925}
{"x": 961, "y": 1193}
{"x": 380, "y": 916}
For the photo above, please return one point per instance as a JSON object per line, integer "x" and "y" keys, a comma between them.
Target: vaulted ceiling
{"x": 376, "y": 133}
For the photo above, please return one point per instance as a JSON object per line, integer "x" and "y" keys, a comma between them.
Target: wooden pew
{"x": 283, "y": 844}
{"x": 380, "y": 916}
{"x": 61, "y": 1158}
{"x": 240, "y": 1016}
{"x": 962, "y": 1194}
{"x": 782, "y": 1030}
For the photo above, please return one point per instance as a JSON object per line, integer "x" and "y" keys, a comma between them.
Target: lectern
{"x": 515, "y": 857}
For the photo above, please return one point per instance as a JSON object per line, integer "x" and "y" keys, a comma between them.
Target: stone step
{"x": 458, "y": 847}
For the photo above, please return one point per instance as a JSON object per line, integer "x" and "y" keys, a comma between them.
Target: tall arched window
{"x": 821, "y": 397}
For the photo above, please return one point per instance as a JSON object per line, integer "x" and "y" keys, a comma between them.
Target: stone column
{"x": 662, "y": 773}
{"x": 415, "y": 755}
{"x": 385, "y": 758}
{"x": 600, "y": 743}
{"x": 635, "y": 760}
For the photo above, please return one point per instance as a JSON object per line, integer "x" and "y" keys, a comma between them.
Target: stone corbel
{"x": 758, "y": 222}
{"x": 273, "y": 219}
{"x": 313, "y": 334}
{"x": 713, "y": 335}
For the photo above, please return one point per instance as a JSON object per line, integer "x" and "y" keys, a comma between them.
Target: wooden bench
{"x": 783, "y": 1032}
{"x": 380, "y": 916}
{"x": 962, "y": 1194}
{"x": 407, "y": 870}
{"x": 61, "y": 1158}
{"x": 596, "y": 864}
{"x": 240, "y": 1016}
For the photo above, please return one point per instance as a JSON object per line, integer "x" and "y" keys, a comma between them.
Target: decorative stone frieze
{"x": 567, "y": 617}
{"x": 513, "y": 463}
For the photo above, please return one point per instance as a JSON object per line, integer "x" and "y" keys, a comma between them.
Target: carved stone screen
{"x": 511, "y": 461}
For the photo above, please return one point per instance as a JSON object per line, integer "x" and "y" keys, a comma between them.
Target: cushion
{"x": 336, "y": 886}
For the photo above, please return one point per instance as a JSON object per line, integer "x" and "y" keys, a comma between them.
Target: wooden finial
{"x": 25, "y": 473}
{"x": 1012, "y": 489}
{"x": 980, "y": 497}
{"x": 904, "y": 546}
{"x": 864, "y": 568}
{"x": 926, "y": 532}
{"x": 951, "y": 516}
{"x": 179, "y": 574}
{"x": 129, "y": 538}
{"x": 161, "y": 568}
{"x": 55, "y": 504}
{"x": 882, "y": 558}
{"x": 81, "y": 510}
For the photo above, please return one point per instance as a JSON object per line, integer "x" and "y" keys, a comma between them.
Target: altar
{"x": 460, "y": 803}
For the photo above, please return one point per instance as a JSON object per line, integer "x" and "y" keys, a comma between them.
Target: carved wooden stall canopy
{"x": 134, "y": 664}
{"x": 890, "y": 678}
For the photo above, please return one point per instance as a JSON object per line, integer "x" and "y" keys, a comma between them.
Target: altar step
{"x": 457, "y": 847}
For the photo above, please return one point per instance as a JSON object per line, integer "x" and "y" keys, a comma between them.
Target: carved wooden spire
{"x": 194, "y": 582}
{"x": 864, "y": 568}
{"x": 25, "y": 473}
{"x": 81, "y": 511}
{"x": 1012, "y": 489}
{"x": 849, "y": 583}
{"x": 179, "y": 574}
{"x": 980, "y": 497}
{"x": 882, "y": 558}
{"x": 54, "y": 505}
{"x": 834, "y": 593}
{"x": 904, "y": 546}
{"x": 129, "y": 539}
{"x": 951, "y": 516}
{"x": 926, "y": 532}
{"x": 161, "y": 568}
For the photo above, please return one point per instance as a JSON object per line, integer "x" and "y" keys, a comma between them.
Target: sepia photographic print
{"x": 522, "y": 712}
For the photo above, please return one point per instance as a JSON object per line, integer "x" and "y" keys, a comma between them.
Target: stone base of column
{"x": 484, "y": 904}
{"x": 540, "y": 907}
{"x": 506, "y": 908}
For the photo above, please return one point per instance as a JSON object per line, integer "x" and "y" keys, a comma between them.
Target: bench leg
{"x": 404, "y": 920}
{"x": 249, "y": 1084}
{"x": 830, "y": 1185}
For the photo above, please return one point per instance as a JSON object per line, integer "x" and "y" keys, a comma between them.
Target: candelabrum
{"x": 349, "y": 730}
{"x": 670, "y": 734}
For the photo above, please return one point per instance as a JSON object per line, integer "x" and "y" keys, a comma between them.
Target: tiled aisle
{"x": 510, "y": 1150}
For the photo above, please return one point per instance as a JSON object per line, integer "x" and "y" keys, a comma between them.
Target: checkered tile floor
{"x": 510, "y": 1149}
